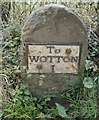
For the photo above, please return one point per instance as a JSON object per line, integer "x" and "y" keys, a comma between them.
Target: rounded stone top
{"x": 52, "y": 20}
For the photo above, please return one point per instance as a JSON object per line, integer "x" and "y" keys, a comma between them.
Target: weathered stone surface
{"x": 52, "y": 25}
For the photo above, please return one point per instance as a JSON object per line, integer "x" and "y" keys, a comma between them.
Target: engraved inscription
{"x": 53, "y": 58}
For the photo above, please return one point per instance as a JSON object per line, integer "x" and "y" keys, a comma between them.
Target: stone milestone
{"x": 54, "y": 44}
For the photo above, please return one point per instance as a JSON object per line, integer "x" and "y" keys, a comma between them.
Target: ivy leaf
{"x": 87, "y": 65}
{"x": 26, "y": 92}
{"x": 88, "y": 82}
{"x": 23, "y": 86}
{"x": 61, "y": 110}
{"x": 26, "y": 98}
